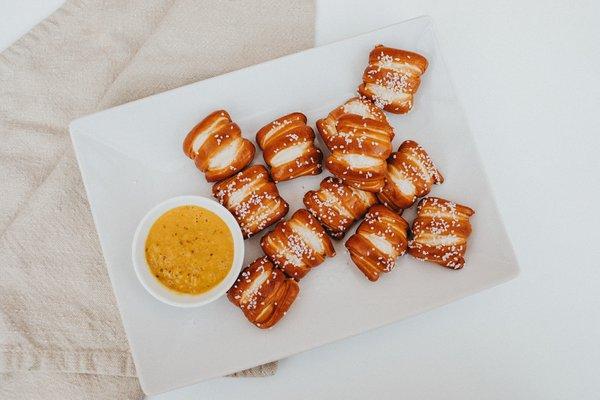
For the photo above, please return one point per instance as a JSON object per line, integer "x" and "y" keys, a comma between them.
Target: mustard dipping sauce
{"x": 189, "y": 249}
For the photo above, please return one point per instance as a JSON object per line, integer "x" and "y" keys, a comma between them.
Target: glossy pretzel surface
{"x": 360, "y": 140}
{"x": 337, "y": 206}
{"x": 392, "y": 77}
{"x": 410, "y": 175}
{"x": 217, "y": 147}
{"x": 253, "y": 199}
{"x": 289, "y": 149}
{"x": 440, "y": 232}
{"x": 263, "y": 293}
{"x": 298, "y": 244}
{"x": 379, "y": 240}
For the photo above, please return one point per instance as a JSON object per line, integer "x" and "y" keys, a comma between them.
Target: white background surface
{"x": 528, "y": 74}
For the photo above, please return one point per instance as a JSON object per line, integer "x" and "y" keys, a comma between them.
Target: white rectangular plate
{"x": 131, "y": 159}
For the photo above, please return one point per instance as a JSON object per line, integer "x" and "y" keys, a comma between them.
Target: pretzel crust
{"x": 392, "y": 77}
{"x": 252, "y": 198}
{"x": 288, "y": 148}
{"x": 337, "y": 206}
{"x": 297, "y": 245}
{"x": 440, "y": 232}
{"x": 360, "y": 140}
{"x": 380, "y": 239}
{"x": 410, "y": 175}
{"x": 217, "y": 147}
{"x": 263, "y": 293}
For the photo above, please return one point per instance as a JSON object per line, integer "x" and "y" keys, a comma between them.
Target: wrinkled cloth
{"x": 60, "y": 330}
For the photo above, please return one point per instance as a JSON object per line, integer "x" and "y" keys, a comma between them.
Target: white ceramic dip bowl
{"x": 153, "y": 285}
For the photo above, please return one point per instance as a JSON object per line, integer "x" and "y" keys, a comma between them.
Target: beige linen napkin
{"x": 57, "y": 309}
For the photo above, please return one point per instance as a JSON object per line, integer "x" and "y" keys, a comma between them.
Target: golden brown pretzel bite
{"x": 357, "y": 170}
{"x": 378, "y": 241}
{"x": 288, "y": 148}
{"x": 263, "y": 293}
{"x": 252, "y": 198}
{"x": 440, "y": 232}
{"x": 297, "y": 245}
{"x": 217, "y": 147}
{"x": 360, "y": 139}
{"x": 338, "y": 206}
{"x": 392, "y": 78}
{"x": 355, "y": 106}
{"x": 410, "y": 175}
{"x": 359, "y": 135}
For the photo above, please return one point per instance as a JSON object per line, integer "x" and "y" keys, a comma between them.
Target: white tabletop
{"x": 529, "y": 79}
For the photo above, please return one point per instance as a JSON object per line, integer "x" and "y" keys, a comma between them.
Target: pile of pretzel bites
{"x": 369, "y": 180}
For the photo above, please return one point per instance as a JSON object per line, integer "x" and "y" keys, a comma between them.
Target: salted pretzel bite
{"x": 379, "y": 240}
{"x": 410, "y": 175}
{"x": 217, "y": 147}
{"x": 360, "y": 140}
{"x": 298, "y": 244}
{"x": 392, "y": 78}
{"x": 337, "y": 206}
{"x": 263, "y": 293}
{"x": 252, "y": 198}
{"x": 440, "y": 232}
{"x": 288, "y": 148}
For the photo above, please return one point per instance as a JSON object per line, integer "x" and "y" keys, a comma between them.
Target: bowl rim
{"x": 153, "y": 285}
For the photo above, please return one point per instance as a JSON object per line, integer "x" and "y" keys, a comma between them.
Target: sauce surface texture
{"x": 189, "y": 249}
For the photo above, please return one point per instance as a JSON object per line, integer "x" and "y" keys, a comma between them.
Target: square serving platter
{"x": 131, "y": 159}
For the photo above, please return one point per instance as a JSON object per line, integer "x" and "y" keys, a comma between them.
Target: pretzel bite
{"x": 360, "y": 140}
{"x": 410, "y": 175}
{"x": 217, "y": 147}
{"x": 440, "y": 232}
{"x": 337, "y": 206}
{"x": 263, "y": 293}
{"x": 252, "y": 198}
{"x": 392, "y": 78}
{"x": 366, "y": 110}
{"x": 297, "y": 245}
{"x": 288, "y": 148}
{"x": 378, "y": 241}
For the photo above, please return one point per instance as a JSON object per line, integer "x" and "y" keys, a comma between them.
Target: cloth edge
{"x": 101, "y": 362}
